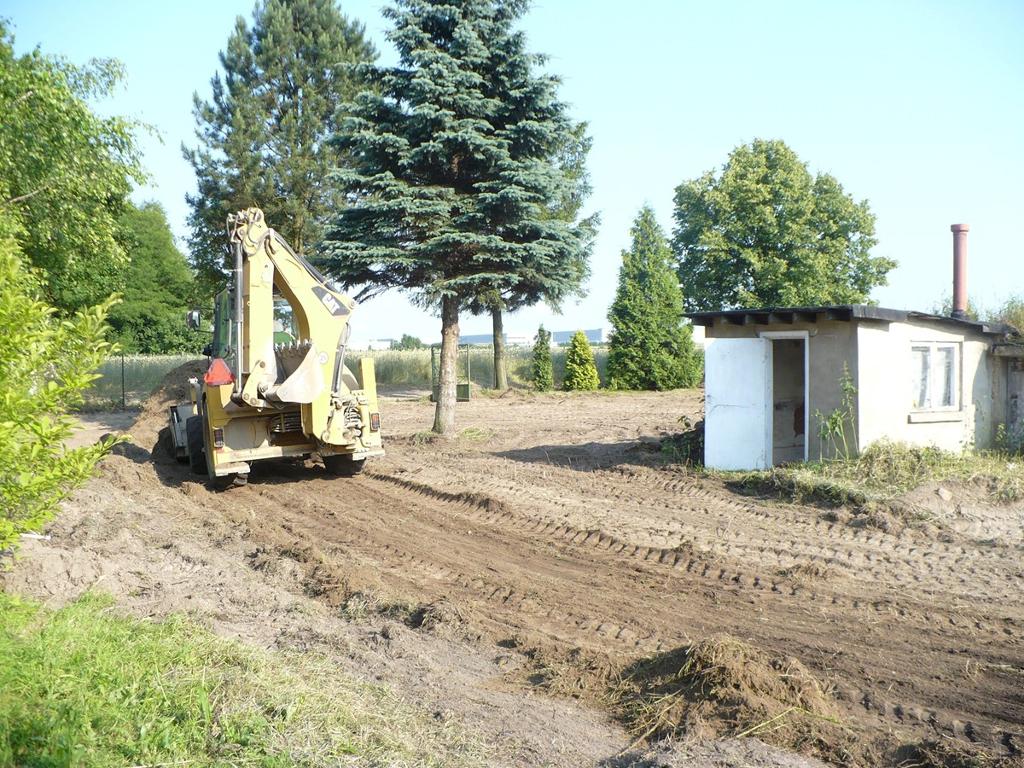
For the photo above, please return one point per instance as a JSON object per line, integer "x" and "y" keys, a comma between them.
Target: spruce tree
{"x": 453, "y": 178}
{"x": 580, "y": 369}
{"x": 264, "y": 137}
{"x": 542, "y": 374}
{"x": 650, "y": 346}
{"x": 571, "y": 159}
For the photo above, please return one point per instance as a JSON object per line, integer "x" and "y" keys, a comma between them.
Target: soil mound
{"x": 724, "y": 688}
{"x": 172, "y": 390}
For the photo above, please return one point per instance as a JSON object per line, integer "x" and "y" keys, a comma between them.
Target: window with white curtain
{"x": 935, "y": 376}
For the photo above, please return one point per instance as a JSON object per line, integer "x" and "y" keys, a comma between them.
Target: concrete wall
{"x": 885, "y": 389}
{"x": 831, "y": 343}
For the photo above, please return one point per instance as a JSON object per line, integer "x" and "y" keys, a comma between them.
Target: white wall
{"x": 885, "y": 393}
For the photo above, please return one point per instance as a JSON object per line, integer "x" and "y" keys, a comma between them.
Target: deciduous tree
{"x": 764, "y": 232}
{"x": 651, "y": 347}
{"x": 65, "y": 172}
{"x": 263, "y": 138}
{"x": 453, "y": 179}
{"x": 159, "y": 287}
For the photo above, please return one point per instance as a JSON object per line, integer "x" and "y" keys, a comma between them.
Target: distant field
{"x": 128, "y": 381}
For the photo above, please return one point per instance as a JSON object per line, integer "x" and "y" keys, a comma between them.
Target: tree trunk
{"x": 500, "y": 371}
{"x": 444, "y": 412}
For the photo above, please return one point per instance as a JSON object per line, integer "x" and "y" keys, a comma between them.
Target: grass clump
{"x": 721, "y": 687}
{"x": 84, "y": 687}
{"x": 887, "y": 470}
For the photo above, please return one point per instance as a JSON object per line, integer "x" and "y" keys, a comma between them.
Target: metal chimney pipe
{"x": 959, "y": 270}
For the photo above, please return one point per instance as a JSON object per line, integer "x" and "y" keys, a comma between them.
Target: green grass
{"x": 84, "y": 687}
{"x": 887, "y": 470}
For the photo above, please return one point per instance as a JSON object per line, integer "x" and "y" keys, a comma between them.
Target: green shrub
{"x": 84, "y": 687}
{"x": 580, "y": 370}
{"x": 46, "y": 364}
{"x": 541, "y": 373}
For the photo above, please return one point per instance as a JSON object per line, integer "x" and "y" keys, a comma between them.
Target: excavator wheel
{"x": 194, "y": 441}
{"x": 343, "y": 465}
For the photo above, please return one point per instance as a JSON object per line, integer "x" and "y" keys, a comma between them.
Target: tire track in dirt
{"x": 714, "y": 519}
{"x": 548, "y": 583}
{"x": 713, "y": 568}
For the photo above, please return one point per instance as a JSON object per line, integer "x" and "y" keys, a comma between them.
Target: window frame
{"x": 935, "y": 379}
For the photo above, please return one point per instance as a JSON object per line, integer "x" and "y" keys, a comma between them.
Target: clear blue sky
{"x": 916, "y": 106}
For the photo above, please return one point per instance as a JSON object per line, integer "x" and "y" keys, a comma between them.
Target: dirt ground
{"x": 489, "y": 576}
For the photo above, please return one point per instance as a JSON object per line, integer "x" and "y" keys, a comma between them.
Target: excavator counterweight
{"x": 277, "y": 384}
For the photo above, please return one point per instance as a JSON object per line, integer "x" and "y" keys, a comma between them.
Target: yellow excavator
{"x": 277, "y": 384}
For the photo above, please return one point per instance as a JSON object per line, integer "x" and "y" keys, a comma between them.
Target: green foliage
{"x": 1011, "y": 312}
{"x": 45, "y": 365}
{"x": 158, "y": 290}
{"x": 541, "y": 374}
{"x": 766, "y": 233}
{"x": 85, "y": 687}
{"x": 651, "y": 348}
{"x": 580, "y": 370}
{"x": 264, "y": 137}
{"x": 408, "y": 342}
{"x": 65, "y": 172}
{"x": 456, "y": 169}
{"x": 832, "y": 427}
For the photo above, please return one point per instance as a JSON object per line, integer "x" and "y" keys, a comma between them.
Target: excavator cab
{"x": 278, "y": 384}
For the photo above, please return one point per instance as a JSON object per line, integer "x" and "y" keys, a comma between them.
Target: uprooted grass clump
{"x": 82, "y": 686}
{"x": 950, "y": 753}
{"x": 722, "y": 687}
{"x": 885, "y": 471}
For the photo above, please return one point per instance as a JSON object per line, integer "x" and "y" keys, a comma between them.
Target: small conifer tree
{"x": 650, "y": 347}
{"x": 543, "y": 377}
{"x": 580, "y": 370}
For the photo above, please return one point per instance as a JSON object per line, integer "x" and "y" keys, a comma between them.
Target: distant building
{"x": 511, "y": 339}
{"x": 594, "y": 336}
{"x": 370, "y": 344}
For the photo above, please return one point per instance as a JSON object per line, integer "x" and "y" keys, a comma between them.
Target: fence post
{"x": 124, "y": 404}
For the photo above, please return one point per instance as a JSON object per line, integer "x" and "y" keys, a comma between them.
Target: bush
{"x": 46, "y": 364}
{"x": 542, "y": 375}
{"x": 580, "y": 370}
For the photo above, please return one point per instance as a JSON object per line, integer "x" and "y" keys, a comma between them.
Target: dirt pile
{"x": 172, "y": 390}
{"x": 722, "y": 687}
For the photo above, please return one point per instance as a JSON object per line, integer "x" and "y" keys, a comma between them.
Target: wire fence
{"x": 125, "y": 381}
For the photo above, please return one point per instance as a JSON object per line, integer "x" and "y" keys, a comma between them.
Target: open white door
{"x": 737, "y": 394}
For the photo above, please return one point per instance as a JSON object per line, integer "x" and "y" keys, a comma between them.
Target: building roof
{"x": 846, "y": 312}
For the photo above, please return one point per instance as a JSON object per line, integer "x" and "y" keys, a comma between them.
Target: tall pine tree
{"x": 264, "y": 137}
{"x": 571, "y": 159}
{"x": 650, "y": 346}
{"x": 454, "y": 173}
